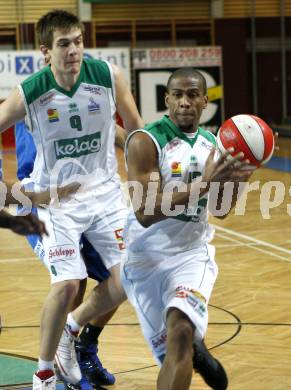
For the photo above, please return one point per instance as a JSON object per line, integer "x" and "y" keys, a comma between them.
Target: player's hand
{"x": 28, "y": 224}
{"x": 225, "y": 168}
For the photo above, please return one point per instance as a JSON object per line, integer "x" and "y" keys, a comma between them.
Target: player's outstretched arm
{"x": 11, "y": 110}
{"x": 23, "y": 225}
{"x": 15, "y": 194}
{"x": 120, "y": 136}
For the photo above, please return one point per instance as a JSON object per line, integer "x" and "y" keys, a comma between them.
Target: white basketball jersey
{"x": 73, "y": 131}
{"x": 181, "y": 159}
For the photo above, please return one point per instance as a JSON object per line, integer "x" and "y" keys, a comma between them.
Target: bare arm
{"x": 143, "y": 161}
{"x": 11, "y": 110}
{"x": 120, "y": 136}
{"x": 125, "y": 103}
{"x": 15, "y": 194}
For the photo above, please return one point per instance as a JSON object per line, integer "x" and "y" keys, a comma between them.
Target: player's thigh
{"x": 106, "y": 233}
{"x": 61, "y": 247}
{"x": 145, "y": 296}
{"x": 189, "y": 285}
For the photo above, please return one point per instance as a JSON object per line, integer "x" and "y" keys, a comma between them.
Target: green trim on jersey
{"x": 208, "y": 135}
{"x": 92, "y": 72}
{"x": 165, "y": 131}
{"x": 96, "y": 72}
{"x": 37, "y": 85}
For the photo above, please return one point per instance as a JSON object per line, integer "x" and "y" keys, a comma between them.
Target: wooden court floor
{"x": 249, "y": 316}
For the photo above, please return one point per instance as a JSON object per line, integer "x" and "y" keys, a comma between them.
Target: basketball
{"x": 248, "y": 134}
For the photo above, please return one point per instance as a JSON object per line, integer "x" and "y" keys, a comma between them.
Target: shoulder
{"x": 36, "y": 85}
{"x": 97, "y": 72}
{"x": 96, "y": 64}
{"x": 141, "y": 151}
{"x": 41, "y": 74}
{"x": 207, "y": 135}
{"x": 161, "y": 131}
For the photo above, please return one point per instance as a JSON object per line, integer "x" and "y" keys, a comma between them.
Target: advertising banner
{"x": 16, "y": 66}
{"x": 153, "y": 67}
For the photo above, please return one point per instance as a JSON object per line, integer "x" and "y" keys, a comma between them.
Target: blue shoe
{"x": 91, "y": 365}
{"x": 84, "y": 384}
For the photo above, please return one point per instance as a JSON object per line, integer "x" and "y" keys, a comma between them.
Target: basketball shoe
{"x": 82, "y": 385}
{"x": 44, "y": 380}
{"x": 208, "y": 367}
{"x": 66, "y": 359}
{"x": 91, "y": 365}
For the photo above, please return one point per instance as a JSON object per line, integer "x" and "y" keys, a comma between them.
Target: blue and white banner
{"x": 16, "y": 66}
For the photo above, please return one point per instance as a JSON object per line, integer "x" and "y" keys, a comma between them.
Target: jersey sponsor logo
{"x": 61, "y": 252}
{"x": 76, "y": 147}
{"x": 193, "y": 162}
{"x": 173, "y": 144}
{"x": 184, "y": 289}
{"x": 159, "y": 341}
{"x": 93, "y": 106}
{"x": 73, "y": 107}
{"x": 206, "y": 145}
{"x": 92, "y": 89}
{"x": 53, "y": 269}
{"x": 46, "y": 98}
{"x": 119, "y": 238}
{"x": 199, "y": 307}
{"x": 53, "y": 115}
{"x": 176, "y": 169}
{"x": 194, "y": 298}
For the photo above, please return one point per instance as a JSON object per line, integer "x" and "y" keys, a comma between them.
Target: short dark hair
{"x": 187, "y": 72}
{"x": 56, "y": 19}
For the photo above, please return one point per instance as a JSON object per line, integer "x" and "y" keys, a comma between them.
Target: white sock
{"x": 74, "y": 326}
{"x": 44, "y": 365}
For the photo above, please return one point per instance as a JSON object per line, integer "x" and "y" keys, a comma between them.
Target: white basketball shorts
{"x": 101, "y": 217}
{"x": 184, "y": 281}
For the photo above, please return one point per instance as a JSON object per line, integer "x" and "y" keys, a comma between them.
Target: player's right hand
{"x": 28, "y": 224}
{"x": 225, "y": 168}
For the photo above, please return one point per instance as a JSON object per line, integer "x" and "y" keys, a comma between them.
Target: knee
{"x": 183, "y": 332}
{"x": 65, "y": 292}
{"x": 180, "y": 339}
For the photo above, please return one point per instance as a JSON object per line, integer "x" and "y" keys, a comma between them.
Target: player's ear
{"x": 205, "y": 102}
{"x": 167, "y": 99}
{"x": 44, "y": 49}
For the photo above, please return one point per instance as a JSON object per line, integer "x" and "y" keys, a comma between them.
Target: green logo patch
{"x": 73, "y": 107}
{"x": 76, "y": 147}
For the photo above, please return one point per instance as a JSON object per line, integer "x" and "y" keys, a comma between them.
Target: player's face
{"x": 186, "y": 99}
{"x": 67, "y": 51}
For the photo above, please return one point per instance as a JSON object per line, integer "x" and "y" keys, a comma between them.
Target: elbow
{"x": 221, "y": 216}
{"x": 144, "y": 220}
